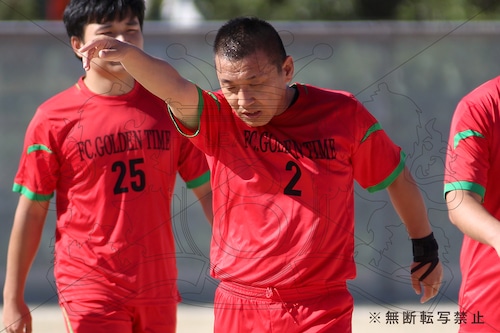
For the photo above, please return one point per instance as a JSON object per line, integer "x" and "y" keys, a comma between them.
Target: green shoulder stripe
{"x": 388, "y": 181}
{"x": 464, "y": 185}
{"x": 199, "y": 181}
{"x": 36, "y": 147}
{"x": 30, "y": 194}
{"x": 464, "y": 135}
{"x": 375, "y": 127}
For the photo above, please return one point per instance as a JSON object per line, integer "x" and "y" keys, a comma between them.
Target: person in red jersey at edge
{"x": 108, "y": 150}
{"x": 470, "y": 189}
{"x": 283, "y": 160}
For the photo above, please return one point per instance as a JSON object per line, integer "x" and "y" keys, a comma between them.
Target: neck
{"x": 109, "y": 86}
{"x": 292, "y": 94}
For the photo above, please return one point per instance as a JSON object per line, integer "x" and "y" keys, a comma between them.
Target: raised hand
{"x": 106, "y": 48}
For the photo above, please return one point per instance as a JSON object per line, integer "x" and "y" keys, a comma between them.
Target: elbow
{"x": 452, "y": 217}
{"x": 460, "y": 203}
{"x": 452, "y": 205}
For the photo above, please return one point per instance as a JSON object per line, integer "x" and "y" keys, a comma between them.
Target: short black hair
{"x": 245, "y": 35}
{"x": 79, "y": 13}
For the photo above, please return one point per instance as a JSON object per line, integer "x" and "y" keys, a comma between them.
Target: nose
{"x": 245, "y": 97}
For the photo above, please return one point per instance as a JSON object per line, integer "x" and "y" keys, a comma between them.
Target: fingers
{"x": 415, "y": 283}
{"x": 97, "y": 44}
{"x": 17, "y": 319}
{"x": 429, "y": 293}
{"x": 97, "y": 48}
{"x": 19, "y": 327}
{"x": 428, "y": 287}
{"x": 88, "y": 52}
{"x": 86, "y": 58}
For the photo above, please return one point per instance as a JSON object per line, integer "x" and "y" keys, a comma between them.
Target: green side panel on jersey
{"x": 375, "y": 127}
{"x": 37, "y": 147}
{"x": 466, "y": 186}
{"x": 388, "y": 181}
{"x": 199, "y": 181}
{"x": 30, "y": 194}
{"x": 464, "y": 135}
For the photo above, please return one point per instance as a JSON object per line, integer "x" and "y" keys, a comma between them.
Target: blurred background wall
{"x": 410, "y": 75}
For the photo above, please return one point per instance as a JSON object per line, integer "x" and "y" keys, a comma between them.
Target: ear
{"x": 76, "y": 44}
{"x": 288, "y": 68}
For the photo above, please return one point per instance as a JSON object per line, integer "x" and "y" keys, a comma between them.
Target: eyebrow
{"x": 226, "y": 81}
{"x": 131, "y": 22}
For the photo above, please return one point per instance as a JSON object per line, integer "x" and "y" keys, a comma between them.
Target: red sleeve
{"x": 38, "y": 170}
{"x": 468, "y": 155}
{"x": 214, "y": 113}
{"x": 193, "y": 167}
{"x": 377, "y": 161}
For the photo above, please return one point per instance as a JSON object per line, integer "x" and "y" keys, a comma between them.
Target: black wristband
{"x": 425, "y": 249}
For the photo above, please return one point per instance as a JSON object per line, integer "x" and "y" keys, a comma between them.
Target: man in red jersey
{"x": 109, "y": 152}
{"x": 284, "y": 158}
{"x": 472, "y": 196}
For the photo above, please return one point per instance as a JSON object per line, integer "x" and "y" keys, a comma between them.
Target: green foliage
{"x": 277, "y": 9}
{"x": 330, "y": 10}
{"x": 22, "y": 10}
{"x": 315, "y": 10}
{"x": 435, "y": 10}
{"x": 153, "y": 9}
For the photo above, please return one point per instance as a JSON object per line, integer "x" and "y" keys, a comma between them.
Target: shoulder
{"x": 321, "y": 99}
{"x": 488, "y": 91}
{"x": 313, "y": 93}
{"x": 481, "y": 105}
{"x": 62, "y": 100}
{"x": 309, "y": 89}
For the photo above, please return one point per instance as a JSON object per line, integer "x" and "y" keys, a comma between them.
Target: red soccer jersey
{"x": 284, "y": 192}
{"x": 112, "y": 163}
{"x": 472, "y": 162}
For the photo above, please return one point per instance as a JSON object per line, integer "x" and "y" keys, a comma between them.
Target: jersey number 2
{"x": 121, "y": 167}
{"x": 289, "y": 189}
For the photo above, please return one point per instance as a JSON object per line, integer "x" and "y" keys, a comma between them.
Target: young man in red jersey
{"x": 283, "y": 158}
{"x": 107, "y": 150}
{"x": 472, "y": 195}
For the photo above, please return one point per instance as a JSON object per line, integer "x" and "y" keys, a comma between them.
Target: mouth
{"x": 251, "y": 115}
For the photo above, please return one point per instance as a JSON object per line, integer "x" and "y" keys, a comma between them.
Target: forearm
{"x": 409, "y": 204}
{"x": 19, "y": 260}
{"x": 156, "y": 75}
{"x": 468, "y": 214}
{"x": 426, "y": 270}
{"x": 23, "y": 245}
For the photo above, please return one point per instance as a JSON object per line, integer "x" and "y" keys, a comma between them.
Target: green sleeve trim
{"x": 31, "y": 195}
{"x": 388, "y": 181}
{"x": 464, "y": 135}
{"x": 37, "y": 147}
{"x": 199, "y": 181}
{"x": 375, "y": 127}
{"x": 200, "y": 109}
{"x": 467, "y": 186}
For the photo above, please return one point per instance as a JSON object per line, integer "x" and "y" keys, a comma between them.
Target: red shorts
{"x": 246, "y": 309}
{"x": 102, "y": 317}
